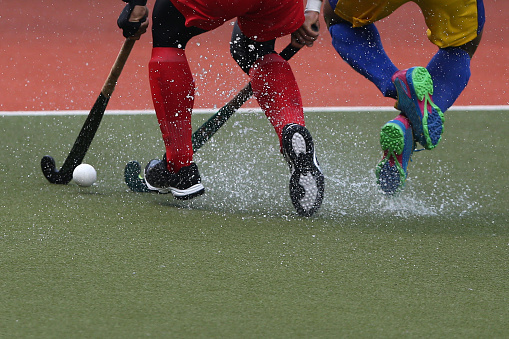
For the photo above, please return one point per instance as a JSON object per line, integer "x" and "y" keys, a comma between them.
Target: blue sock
{"x": 362, "y": 49}
{"x": 450, "y": 71}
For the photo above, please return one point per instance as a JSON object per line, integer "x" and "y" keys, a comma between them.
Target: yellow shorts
{"x": 451, "y": 23}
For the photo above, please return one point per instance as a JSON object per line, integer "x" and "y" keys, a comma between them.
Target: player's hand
{"x": 308, "y": 32}
{"x": 133, "y": 21}
{"x": 140, "y": 14}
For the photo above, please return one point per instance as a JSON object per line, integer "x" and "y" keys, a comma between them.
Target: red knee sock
{"x": 172, "y": 87}
{"x": 276, "y": 90}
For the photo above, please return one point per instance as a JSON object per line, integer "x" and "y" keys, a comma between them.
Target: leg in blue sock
{"x": 450, "y": 71}
{"x": 361, "y": 48}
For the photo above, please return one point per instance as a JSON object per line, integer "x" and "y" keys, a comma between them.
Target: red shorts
{"x": 260, "y": 20}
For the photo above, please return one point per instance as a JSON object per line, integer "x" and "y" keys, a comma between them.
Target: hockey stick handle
{"x": 214, "y": 123}
{"x": 118, "y": 66}
{"x": 289, "y": 51}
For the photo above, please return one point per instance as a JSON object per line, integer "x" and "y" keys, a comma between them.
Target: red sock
{"x": 172, "y": 86}
{"x": 276, "y": 90}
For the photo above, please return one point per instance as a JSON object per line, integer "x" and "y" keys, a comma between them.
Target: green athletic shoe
{"x": 397, "y": 141}
{"x": 415, "y": 87}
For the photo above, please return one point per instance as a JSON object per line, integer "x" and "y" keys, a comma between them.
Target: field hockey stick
{"x": 132, "y": 170}
{"x": 87, "y": 133}
{"x": 214, "y": 123}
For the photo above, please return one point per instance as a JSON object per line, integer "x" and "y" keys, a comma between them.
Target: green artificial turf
{"x": 103, "y": 262}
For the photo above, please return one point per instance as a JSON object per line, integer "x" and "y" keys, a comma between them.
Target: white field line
{"x": 343, "y": 109}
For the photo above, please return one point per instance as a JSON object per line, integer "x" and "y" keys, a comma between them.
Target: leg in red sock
{"x": 276, "y": 90}
{"x": 172, "y": 87}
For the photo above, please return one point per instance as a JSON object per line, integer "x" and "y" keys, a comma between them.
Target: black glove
{"x": 130, "y": 28}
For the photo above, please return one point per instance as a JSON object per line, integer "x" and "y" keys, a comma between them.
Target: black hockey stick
{"x": 132, "y": 171}
{"x": 87, "y": 133}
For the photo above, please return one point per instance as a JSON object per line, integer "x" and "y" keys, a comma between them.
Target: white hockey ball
{"x": 84, "y": 175}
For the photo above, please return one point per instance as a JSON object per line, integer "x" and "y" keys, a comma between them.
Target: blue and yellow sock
{"x": 450, "y": 71}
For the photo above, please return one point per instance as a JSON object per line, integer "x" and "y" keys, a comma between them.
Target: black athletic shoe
{"x": 307, "y": 180}
{"x": 185, "y": 184}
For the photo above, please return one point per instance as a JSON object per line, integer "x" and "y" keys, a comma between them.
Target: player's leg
{"x": 361, "y": 47}
{"x": 172, "y": 88}
{"x": 277, "y": 93}
{"x": 450, "y": 67}
{"x": 424, "y": 94}
{"x": 356, "y": 39}
{"x": 274, "y": 85}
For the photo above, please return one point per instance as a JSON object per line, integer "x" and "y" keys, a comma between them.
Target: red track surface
{"x": 57, "y": 57}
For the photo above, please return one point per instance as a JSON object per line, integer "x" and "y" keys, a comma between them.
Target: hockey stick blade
{"x": 80, "y": 147}
{"x": 133, "y": 178}
{"x": 87, "y": 133}
{"x": 132, "y": 170}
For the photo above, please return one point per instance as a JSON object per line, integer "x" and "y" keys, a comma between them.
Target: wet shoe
{"x": 415, "y": 87}
{"x": 183, "y": 185}
{"x": 397, "y": 142}
{"x": 307, "y": 180}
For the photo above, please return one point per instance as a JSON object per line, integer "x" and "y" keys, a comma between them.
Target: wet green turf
{"x": 102, "y": 262}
